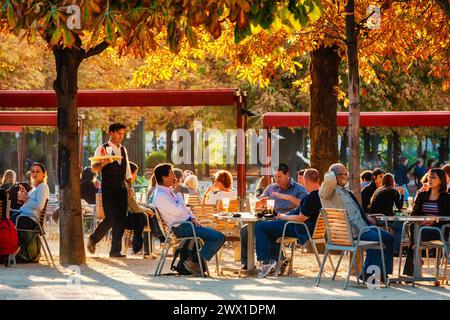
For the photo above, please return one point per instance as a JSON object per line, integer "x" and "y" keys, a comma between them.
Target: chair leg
{"x": 291, "y": 263}
{"x": 316, "y": 253}
{"x": 197, "y": 248}
{"x": 321, "y": 267}
{"x": 438, "y": 262}
{"x": 427, "y": 253}
{"x": 44, "y": 249}
{"x": 164, "y": 251}
{"x": 350, "y": 268}
{"x": 217, "y": 264}
{"x": 337, "y": 267}
{"x": 277, "y": 269}
{"x": 49, "y": 252}
{"x": 400, "y": 257}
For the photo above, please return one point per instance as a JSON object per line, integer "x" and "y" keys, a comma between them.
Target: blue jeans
{"x": 374, "y": 255}
{"x": 396, "y": 227}
{"x": 267, "y": 233}
{"x": 213, "y": 240}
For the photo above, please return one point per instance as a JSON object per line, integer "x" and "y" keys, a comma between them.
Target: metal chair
{"x": 447, "y": 246}
{"x": 126, "y": 239}
{"x": 41, "y": 234}
{"x": 340, "y": 239}
{"x": 171, "y": 238}
{"x": 439, "y": 245}
{"x": 317, "y": 237}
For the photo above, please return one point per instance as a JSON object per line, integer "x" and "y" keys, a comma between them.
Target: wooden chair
{"x": 204, "y": 214}
{"x": 171, "y": 238}
{"x": 41, "y": 234}
{"x": 194, "y": 201}
{"x": 318, "y": 236}
{"x": 339, "y": 233}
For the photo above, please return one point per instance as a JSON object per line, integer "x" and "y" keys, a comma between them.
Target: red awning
{"x": 121, "y": 98}
{"x": 11, "y": 129}
{"x": 367, "y": 119}
{"x": 28, "y": 118}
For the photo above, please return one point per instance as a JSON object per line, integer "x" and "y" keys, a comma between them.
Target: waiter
{"x": 115, "y": 184}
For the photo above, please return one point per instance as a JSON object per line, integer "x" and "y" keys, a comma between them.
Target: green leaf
{"x": 191, "y": 36}
{"x": 109, "y": 30}
{"x": 56, "y": 36}
{"x": 241, "y": 34}
{"x": 12, "y": 16}
{"x": 68, "y": 38}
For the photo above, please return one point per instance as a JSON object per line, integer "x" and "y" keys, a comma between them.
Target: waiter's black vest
{"x": 113, "y": 174}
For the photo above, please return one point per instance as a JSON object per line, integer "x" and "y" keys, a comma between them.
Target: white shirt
{"x": 36, "y": 201}
{"x": 116, "y": 151}
{"x": 213, "y": 197}
{"x": 171, "y": 206}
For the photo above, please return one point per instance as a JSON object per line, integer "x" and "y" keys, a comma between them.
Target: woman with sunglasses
{"x": 33, "y": 201}
{"x": 434, "y": 202}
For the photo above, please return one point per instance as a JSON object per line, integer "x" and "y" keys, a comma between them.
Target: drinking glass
{"x": 225, "y": 204}
{"x": 109, "y": 151}
{"x": 270, "y": 205}
{"x": 252, "y": 203}
{"x": 410, "y": 202}
{"x": 186, "y": 198}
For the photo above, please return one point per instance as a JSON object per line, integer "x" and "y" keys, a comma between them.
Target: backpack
{"x": 8, "y": 233}
{"x": 184, "y": 252}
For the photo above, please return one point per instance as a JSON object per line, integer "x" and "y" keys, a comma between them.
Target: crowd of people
{"x": 298, "y": 199}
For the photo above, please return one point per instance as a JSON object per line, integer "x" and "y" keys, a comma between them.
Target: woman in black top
{"x": 369, "y": 190}
{"x": 434, "y": 202}
{"x": 386, "y": 196}
{"x": 87, "y": 186}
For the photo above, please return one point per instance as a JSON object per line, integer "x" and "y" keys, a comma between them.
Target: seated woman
{"x": 222, "y": 188}
{"x": 434, "y": 202}
{"x": 33, "y": 201}
{"x": 192, "y": 183}
{"x": 9, "y": 178}
{"x": 383, "y": 201}
{"x": 88, "y": 185}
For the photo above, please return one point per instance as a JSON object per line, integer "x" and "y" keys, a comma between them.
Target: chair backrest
{"x": 99, "y": 213}
{"x": 205, "y": 212}
{"x": 194, "y": 200}
{"x": 42, "y": 217}
{"x": 233, "y": 207}
{"x": 162, "y": 226}
{"x": 337, "y": 226}
{"x": 319, "y": 229}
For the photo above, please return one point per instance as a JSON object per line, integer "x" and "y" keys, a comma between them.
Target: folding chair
{"x": 447, "y": 247}
{"x": 439, "y": 245}
{"x": 41, "y": 234}
{"x": 317, "y": 237}
{"x": 340, "y": 239}
{"x": 171, "y": 238}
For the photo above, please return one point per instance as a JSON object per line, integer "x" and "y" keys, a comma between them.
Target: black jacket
{"x": 443, "y": 205}
{"x": 366, "y": 195}
{"x": 384, "y": 201}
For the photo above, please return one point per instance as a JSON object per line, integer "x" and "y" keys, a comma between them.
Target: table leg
{"x": 417, "y": 264}
{"x": 251, "y": 246}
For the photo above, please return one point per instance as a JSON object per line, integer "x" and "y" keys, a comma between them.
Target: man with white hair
{"x": 334, "y": 194}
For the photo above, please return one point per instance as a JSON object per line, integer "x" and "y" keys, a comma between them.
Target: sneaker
{"x": 192, "y": 267}
{"x": 267, "y": 268}
{"x": 90, "y": 246}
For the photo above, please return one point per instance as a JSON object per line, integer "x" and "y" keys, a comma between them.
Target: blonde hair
{"x": 191, "y": 182}
{"x": 9, "y": 177}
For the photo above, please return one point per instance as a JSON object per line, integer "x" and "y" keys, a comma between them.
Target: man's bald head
{"x": 340, "y": 171}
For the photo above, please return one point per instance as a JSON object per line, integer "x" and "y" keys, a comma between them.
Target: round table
{"x": 417, "y": 221}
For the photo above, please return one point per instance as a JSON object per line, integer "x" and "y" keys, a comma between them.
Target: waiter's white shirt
{"x": 117, "y": 152}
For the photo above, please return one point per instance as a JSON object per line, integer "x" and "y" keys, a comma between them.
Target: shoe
{"x": 267, "y": 268}
{"x": 284, "y": 265}
{"x": 192, "y": 267}
{"x": 90, "y": 246}
{"x": 117, "y": 255}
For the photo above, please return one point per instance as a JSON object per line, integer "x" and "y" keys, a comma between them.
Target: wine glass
{"x": 109, "y": 151}
{"x": 252, "y": 203}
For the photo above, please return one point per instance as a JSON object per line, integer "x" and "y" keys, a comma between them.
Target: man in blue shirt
{"x": 267, "y": 233}
{"x": 287, "y": 195}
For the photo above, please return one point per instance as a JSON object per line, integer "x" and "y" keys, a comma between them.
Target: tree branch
{"x": 96, "y": 50}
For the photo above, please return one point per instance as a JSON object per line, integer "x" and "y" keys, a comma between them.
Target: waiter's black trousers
{"x": 115, "y": 208}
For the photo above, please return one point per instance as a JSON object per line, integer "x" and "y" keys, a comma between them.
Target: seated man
{"x": 135, "y": 219}
{"x": 267, "y": 250}
{"x": 287, "y": 195}
{"x": 333, "y": 194}
{"x": 172, "y": 208}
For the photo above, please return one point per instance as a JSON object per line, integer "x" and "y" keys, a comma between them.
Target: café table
{"x": 417, "y": 222}
{"x": 249, "y": 219}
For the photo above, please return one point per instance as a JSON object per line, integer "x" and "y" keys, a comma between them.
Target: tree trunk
{"x": 396, "y": 148}
{"x": 324, "y": 69}
{"x": 389, "y": 156}
{"x": 343, "y": 148}
{"x": 169, "y": 144}
{"x": 353, "y": 96}
{"x": 374, "y": 139}
{"x": 366, "y": 145}
{"x": 419, "y": 146}
{"x": 65, "y": 85}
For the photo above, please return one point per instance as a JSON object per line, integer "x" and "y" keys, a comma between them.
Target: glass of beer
{"x": 270, "y": 205}
{"x": 225, "y": 204}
